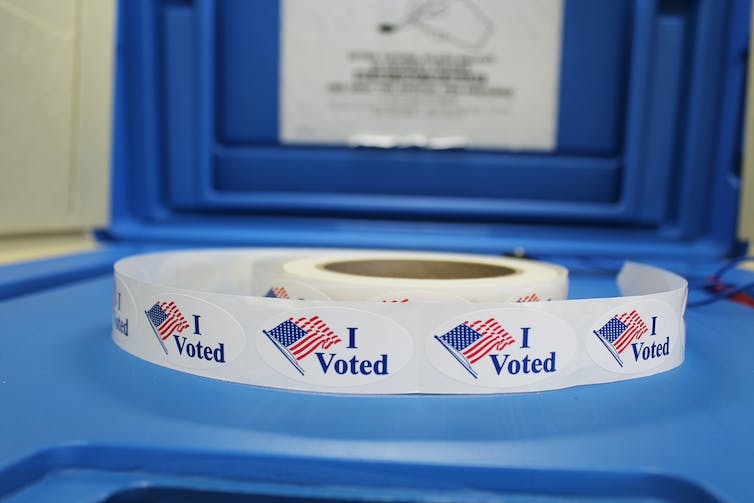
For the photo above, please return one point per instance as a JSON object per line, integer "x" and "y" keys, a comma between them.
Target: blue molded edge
{"x": 348, "y": 473}
{"x": 144, "y": 217}
{"x": 601, "y": 77}
{"x": 27, "y": 277}
{"x": 637, "y": 244}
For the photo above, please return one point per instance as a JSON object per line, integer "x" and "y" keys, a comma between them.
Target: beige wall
{"x": 56, "y": 82}
{"x": 746, "y": 215}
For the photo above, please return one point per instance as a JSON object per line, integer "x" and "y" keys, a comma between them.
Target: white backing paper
{"x": 193, "y": 311}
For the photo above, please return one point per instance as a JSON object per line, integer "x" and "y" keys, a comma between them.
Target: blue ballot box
{"x": 289, "y": 123}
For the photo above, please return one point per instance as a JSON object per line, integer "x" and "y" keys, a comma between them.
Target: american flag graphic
{"x": 297, "y": 338}
{"x": 166, "y": 319}
{"x": 620, "y": 331}
{"x": 469, "y": 342}
{"x": 533, "y": 297}
{"x": 278, "y": 292}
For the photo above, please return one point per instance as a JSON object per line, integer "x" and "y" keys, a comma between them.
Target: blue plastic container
{"x": 645, "y": 166}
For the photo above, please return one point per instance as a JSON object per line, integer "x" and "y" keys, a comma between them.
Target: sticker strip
{"x": 194, "y": 311}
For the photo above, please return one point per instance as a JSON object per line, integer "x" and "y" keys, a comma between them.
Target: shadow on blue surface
{"x": 291, "y": 480}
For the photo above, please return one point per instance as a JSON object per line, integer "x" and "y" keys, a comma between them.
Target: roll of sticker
{"x": 408, "y": 277}
{"x": 340, "y": 323}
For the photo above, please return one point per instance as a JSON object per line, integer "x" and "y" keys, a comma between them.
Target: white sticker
{"x": 124, "y": 312}
{"x": 428, "y": 73}
{"x": 193, "y": 333}
{"x": 334, "y": 347}
{"x": 502, "y": 348}
{"x": 635, "y": 337}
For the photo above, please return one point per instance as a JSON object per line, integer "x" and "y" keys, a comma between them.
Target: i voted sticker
{"x": 124, "y": 312}
{"x": 635, "y": 337}
{"x": 334, "y": 347}
{"x": 502, "y": 348}
{"x": 193, "y": 333}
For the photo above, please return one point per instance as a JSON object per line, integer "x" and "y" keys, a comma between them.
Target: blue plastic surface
{"x": 649, "y": 137}
{"x": 83, "y": 421}
{"x": 651, "y": 94}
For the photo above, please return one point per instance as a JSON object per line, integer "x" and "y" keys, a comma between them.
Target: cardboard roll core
{"x": 419, "y": 269}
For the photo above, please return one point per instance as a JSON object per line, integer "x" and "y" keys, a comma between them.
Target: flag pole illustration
{"x": 469, "y": 342}
{"x": 620, "y": 331}
{"x": 298, "y": 338}
{"x": 165, "y": 319}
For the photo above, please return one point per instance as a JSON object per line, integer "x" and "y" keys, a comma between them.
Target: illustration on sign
{"x": 459, "y": 22}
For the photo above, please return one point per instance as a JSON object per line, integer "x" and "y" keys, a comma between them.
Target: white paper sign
{"x": 428, "y": 73}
